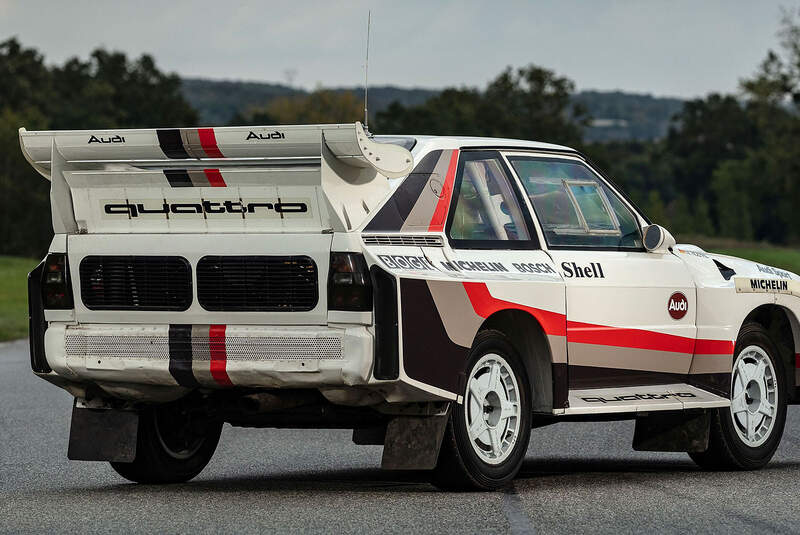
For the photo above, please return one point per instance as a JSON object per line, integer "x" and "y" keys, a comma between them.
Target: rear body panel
{"x": 193, "y": 248}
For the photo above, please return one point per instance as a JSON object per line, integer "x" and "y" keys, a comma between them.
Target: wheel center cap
{"x": 752, "y": 396}
{"x": 491, "y": 408}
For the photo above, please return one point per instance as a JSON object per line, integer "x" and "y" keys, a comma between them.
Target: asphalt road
{"x": 577, "y": 478}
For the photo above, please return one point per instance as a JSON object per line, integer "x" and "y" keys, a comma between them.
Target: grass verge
{"x": 763, "y": 253}
{"x": 14, "y": 296}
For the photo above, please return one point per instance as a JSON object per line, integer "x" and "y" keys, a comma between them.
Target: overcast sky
{"x": 676, "y": 48}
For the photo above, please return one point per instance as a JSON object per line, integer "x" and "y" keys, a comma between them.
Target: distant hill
{"x": 218, "y": 101}
{"x": 616, "y": 115}
{"x": 622, "y": 116}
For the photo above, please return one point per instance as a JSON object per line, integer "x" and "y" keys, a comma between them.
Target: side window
{"x": 485, "y": 209}
{"x": 574, "y": 207}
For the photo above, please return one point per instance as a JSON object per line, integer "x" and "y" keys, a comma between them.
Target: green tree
{"x": 704, "y": 133}
{"x": 319, "y": 107}
{"x": 758, "y": 192}
{"x": 680, "y": 217}
{"x": 107, "y": 91}
{"x": 526, "y": 103}
{"x": 703, "y": 225}
{"x": 731, "y": 185}
{"x": 655, "y": 209}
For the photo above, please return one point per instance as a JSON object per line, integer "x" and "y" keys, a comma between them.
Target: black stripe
{"x": 395, "y": 212}
{"x": 420, "y": 315}
{"x": 171, "y": 143}
{"x": 582, "y": 377}
{"x": 178, "y": 178}
{"x": 180, "y": 355}
{"x": 560, "y": 385}
{"x": 718, "y": 383}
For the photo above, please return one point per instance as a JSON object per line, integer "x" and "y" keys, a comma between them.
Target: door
{"x": 630, "y": 313}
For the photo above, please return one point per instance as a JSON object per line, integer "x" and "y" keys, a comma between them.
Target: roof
{"x": 427, "y": 143}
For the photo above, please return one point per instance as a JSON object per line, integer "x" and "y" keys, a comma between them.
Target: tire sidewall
{"x": 180, "y": 468}
{"x": 153, "y": 464}
{"x": 754, "y": 335}
{"x": 494, "y": 475}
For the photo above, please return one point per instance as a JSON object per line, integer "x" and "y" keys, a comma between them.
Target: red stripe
{"x": 219, "y": 356}
{"x": 586, "y": 333}
{"x": 485, "y": 305}
{"x": 209, "y": 142}
{"x": 440, "y": 213}
{"x": 215, "y": 178}
{"x": 713, "y": 347}
{"x": 797, "y": 360}
{"x": 555, "y": 324}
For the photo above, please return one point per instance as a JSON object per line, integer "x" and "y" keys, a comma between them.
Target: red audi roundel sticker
{"x": 678, "y": 305}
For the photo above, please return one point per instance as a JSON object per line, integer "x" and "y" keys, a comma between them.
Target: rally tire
{"x": 732, "y": 449}
{"x": 460, "y": 467}
{"x": 173, "y": 446}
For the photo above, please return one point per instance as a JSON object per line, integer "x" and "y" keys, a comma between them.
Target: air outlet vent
{"x": 257, "y": 283}
{"x": 398, "y": 239}
{"x": 136, "y": 283}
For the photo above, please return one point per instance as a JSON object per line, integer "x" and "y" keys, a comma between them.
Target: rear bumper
{"x": 211, "y": 356}
{"x": 138, "y": 359}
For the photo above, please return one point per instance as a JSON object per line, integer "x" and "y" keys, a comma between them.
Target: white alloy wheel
{"x": 754, "y": 396}
{"x": 492, "y": 408}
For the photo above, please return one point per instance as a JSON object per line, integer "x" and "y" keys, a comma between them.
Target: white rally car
{"x": 441, "y": 296}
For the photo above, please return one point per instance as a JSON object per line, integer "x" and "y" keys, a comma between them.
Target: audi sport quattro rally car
{"x": 440, "y": 296}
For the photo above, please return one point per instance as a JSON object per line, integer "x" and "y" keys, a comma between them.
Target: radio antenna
{"x": 366, "y": 74}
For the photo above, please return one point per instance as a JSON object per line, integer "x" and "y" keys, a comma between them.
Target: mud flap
{"x": 672, "y": 431}
{"x": 103, "y": 435}
{"x": 413, "y": 442}
{"x": 369, "y": 436}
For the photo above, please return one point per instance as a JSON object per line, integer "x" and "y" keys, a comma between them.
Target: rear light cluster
{"x": 349, "y": 285}
{"x": 56, "y": 287}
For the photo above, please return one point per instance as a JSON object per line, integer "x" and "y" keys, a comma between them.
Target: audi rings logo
{"x": 677, "y": 306}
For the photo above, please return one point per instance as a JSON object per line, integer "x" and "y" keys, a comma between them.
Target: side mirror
{"x": 657, "y": 239}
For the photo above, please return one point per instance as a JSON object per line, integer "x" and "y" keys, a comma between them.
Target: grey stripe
{"x": 419, "y": 219}
{"x": 628, "y": 358}
{"x": 198, "y": 178}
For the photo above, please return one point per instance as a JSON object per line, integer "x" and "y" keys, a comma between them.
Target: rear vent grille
{"x": 416, "y": 241}
{"x": 257, "y": 283}
{"x": 136, "y": 283}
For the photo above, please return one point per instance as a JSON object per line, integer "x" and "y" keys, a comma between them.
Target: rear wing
{"x": 347, "y": 142}
{"x": 81, "y": 164}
